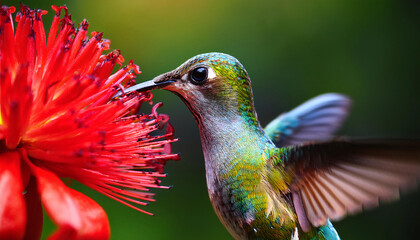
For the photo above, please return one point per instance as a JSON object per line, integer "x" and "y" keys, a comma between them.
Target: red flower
{"x": 58, "y": 119}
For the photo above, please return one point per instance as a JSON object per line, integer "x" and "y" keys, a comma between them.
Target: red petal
{"x": 33, "y": 211}
{"x": 77, "y": 216}
{"x": 12, "y": 204}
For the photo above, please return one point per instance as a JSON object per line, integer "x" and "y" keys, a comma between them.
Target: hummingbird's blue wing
{"x": 332, "y": 179}
{"x": 315, "y": 120}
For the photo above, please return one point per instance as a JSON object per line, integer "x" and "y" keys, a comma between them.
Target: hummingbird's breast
{"x": 228, "y": 214}
{"x": 229, "y": 176}
{"x": 246, "y": 206}
{"x": 235, "y": 163}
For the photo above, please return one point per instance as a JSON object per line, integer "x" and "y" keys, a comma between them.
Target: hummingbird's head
{"x": 214, "y": 83}
{"x": 208, "y": 77}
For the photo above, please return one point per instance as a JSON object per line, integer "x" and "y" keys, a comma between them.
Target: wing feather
{"x": 330, "y": 207}
{"x": 337, "y": 178}
{"x": 318, "y": 203}
{"x": 308, "y": 203}
{"x": 333, "y": 196}
{"x": 315, "y": 120}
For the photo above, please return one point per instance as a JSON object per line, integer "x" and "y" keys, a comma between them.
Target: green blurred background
{"x": 293, "y": 50}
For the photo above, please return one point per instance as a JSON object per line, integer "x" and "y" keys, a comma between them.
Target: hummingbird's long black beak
{"x": 157, "y": 82}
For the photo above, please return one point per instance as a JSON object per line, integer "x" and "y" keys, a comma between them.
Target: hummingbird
{"x": 289, "y": 179}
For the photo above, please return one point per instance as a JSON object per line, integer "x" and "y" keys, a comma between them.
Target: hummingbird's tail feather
{"x": 337, "y": 178}
{"x": 328, "y": 232}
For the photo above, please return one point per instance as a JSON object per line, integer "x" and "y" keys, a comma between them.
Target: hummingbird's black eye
{"x": 198, "y": 75}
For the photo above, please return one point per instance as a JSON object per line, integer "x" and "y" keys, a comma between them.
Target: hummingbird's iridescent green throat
{"x": 289, "y": 179}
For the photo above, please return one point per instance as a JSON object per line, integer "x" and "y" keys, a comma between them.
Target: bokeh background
{"x": 293, "y": 50}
